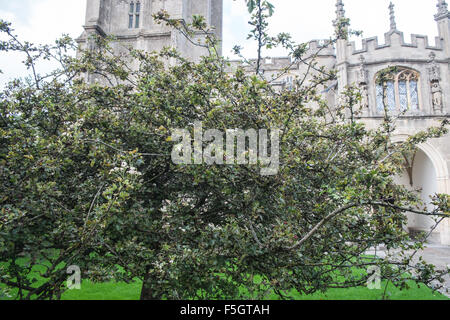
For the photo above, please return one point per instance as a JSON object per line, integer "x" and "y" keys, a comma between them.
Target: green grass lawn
{"x": 123, "y": 291}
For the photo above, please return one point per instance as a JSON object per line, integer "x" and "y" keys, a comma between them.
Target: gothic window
{"x": 397, "y": 89}
{"x": 138, "y": 13}
{"x": 131, "y": 16}
{"x": 289, "y": 83}
{"x": 134, "y": 15}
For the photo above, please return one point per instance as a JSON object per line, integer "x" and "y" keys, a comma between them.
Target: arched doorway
{"x": 420, "y": 176}
{"x": 427, "y": 175}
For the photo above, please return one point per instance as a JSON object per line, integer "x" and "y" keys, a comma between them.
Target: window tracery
{"x": 398, "y": 90}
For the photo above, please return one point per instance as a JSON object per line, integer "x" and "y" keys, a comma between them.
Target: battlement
{"x": 394, "y": 39}
{"x": 315, "y": 49}
{"x": 321, "y": 47}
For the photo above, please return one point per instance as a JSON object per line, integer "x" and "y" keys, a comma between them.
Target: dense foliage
{"x": 87, "y": 178}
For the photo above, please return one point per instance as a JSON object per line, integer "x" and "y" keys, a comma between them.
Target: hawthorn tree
{"x": 87, "y": 177}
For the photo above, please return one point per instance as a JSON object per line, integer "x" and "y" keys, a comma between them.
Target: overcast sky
{"x": 42, "y": 21}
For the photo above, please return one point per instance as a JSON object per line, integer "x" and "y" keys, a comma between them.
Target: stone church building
{"x": 419, "y": 91}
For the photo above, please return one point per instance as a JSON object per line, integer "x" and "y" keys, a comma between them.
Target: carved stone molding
{"x": 362, "y": 72}
{"x": 434, "y": 70}
{"x": 434, "y": 74}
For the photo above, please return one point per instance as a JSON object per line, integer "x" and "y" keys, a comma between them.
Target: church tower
{"x": 131, "y": 22}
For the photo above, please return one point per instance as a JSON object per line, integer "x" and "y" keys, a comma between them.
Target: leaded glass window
{"x": 130, "y": 21}
{"x": 403, "y": 95}
{"x": 413, "y": 88}
{"x": 138, "y": 12}
{"x": 137, "y": 21}
{"x": 131, "y": 16}
{"x": 390, "y": 95}
{"x": 399, "y": 90}
{"x": 289, "y": 83}
{"x": 380, "y": 97}
{"x": 134, "y": 15}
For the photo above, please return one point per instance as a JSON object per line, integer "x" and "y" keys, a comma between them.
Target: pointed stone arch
{"x": 439, "y": 163}
{"x": 442, "y": 177}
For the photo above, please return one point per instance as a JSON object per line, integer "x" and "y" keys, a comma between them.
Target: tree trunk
{"x": 147, "y": 293}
